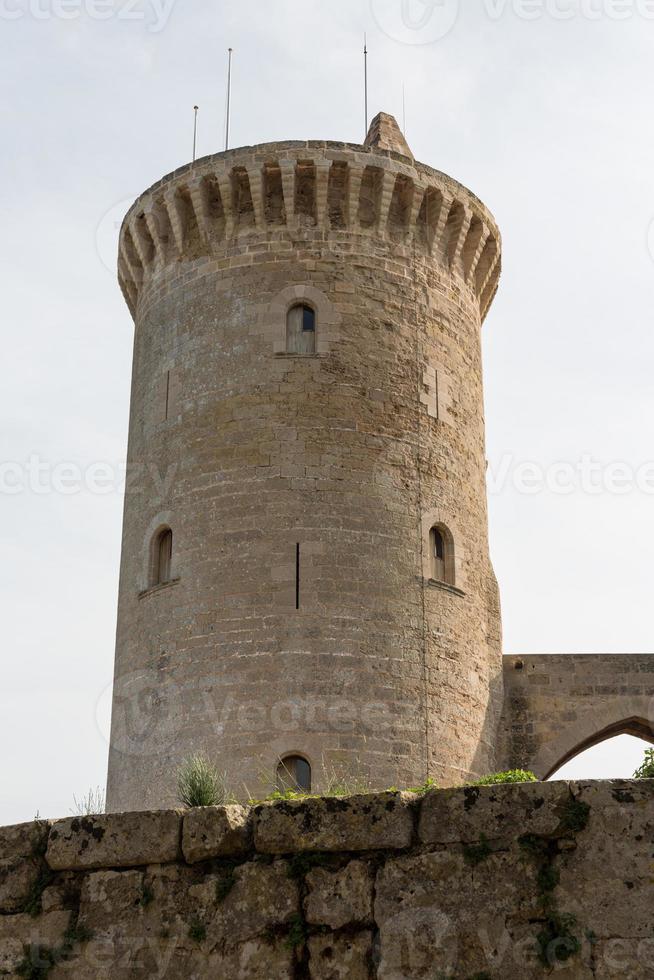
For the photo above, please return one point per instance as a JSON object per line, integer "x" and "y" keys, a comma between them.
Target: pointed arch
{"x": 638, "y": 727}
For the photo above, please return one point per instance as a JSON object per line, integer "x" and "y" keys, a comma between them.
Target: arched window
{"x": 301, "y": 330}
{"x": 441, "y": 551}
{"x": 162, "y": 556}
{"x": 294, "y": 773}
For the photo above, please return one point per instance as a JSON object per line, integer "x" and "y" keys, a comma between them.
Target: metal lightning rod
{"x": 229, "y": 98}
{"x": 365, "y": 77}
{"x": 195, "y": 130}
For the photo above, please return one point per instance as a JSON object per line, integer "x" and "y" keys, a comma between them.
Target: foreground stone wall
{"x": 556, "y": 706}
{"x": 471, "y": 884}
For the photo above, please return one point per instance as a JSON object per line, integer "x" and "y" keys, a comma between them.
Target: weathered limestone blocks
{"x": 340, "y": 957}
{"x": 500, "y": 882}
{"x": 20, "y": 931}
{"x": 339, "y": 898}
{"x": 361, "y": 823}
{"x": 557, "y": 705}
{"x": 115, "y": 840}
{"x": 609, "y": 878}
{"x": 260, "y": 899}
{"x": 212, "y": 832}
{"x": 20, "y": 847}
{"x": 504, "y": 812}
{"x": 301, "y": 615}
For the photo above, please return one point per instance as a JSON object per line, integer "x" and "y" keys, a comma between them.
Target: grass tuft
{"x": 200, "y": 784}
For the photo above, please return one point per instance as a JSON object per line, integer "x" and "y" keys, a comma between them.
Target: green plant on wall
{"x": 646, "y": 771}
{"x": 200, "y": 784}
{"x": 512, "y": 776}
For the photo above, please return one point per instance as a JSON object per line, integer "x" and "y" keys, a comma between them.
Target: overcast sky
{"x": 543, "y": 111}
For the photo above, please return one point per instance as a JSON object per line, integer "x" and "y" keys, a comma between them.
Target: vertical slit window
{"x": 297, "y": 576}
{"x": 441, "y": 550}
{"x": 162, "y": 558}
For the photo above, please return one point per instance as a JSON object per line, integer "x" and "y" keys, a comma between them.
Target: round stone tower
{"x": 305, "y": 571}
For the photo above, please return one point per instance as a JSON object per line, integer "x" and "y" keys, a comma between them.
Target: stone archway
{"x": 557, "y": 706}
{"x": 638, "y": 727}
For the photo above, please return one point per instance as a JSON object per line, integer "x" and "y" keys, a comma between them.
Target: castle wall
{"x": 558, "y": 705}
{"x": 339, "y": 462}
{"x": 501, "y": 883}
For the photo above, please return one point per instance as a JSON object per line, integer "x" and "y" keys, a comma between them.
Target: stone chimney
{"x": 385, "y": 134}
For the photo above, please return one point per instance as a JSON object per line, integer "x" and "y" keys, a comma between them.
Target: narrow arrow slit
{"x": 297, "y": 576}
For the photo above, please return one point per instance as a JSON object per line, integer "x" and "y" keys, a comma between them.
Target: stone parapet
{"x": 496, "y": 882}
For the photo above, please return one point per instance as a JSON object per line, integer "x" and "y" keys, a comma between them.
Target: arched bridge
{"x": 558, "y": 705}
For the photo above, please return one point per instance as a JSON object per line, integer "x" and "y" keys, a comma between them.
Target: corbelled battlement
{"x": 274, "y": 191}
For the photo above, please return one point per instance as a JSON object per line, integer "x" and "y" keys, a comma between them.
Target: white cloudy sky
{"x": 544, "y": 112}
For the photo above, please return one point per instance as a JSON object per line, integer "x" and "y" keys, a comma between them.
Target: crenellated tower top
{"x": 305, "y": 189}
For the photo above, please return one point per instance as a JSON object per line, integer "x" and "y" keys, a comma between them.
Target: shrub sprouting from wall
{"x": 646, "y": 771}
{"x": 512, "y": 776}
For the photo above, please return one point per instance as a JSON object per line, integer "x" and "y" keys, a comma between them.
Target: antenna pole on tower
{"x": 404, "y": 110}
{"x": 365, "y": 77}
{"x": 229, "y": 98}
{"x": 195, "y": 130}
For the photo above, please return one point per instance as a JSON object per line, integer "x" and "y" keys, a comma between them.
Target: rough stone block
{"x": 212, "y": 832}
{"x": 340, "y": 957}
{"x": 261, "y": 898}
{"x": 359, "y": 823}
{"x": 339, "y": 898}
{"x": 21, "y": 936}
{"x": 433, "y": 913}
{"x": 115, "y": 840}
{"x": 504, "y": 812}
{"x": 624, "y": 959}
{"x": 20, "y": 847}
{"x": 254, "y": 960}
{"x": 109, "y": 897}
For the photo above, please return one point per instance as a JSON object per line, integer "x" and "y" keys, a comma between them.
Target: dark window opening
{"x": 441, "y": 552}
{"x": 301, "y": 330}
{"x": 294, "y": 774}
{"x": 162, "y": 558}
{"x": 297, "y": 576}
{"x": 308, "y": 318}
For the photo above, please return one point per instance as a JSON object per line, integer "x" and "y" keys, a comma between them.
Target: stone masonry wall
{"x": 362, "y": 663}
{"x": 556, "y": 706}
{"x": 471, "y": 884}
